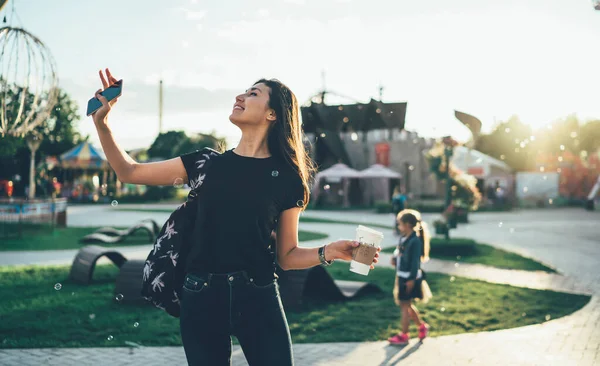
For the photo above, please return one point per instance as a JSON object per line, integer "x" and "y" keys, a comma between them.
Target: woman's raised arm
{"x": 162, "y": 173}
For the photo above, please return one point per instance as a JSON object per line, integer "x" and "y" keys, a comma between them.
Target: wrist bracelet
{"x": 322, "y": 257}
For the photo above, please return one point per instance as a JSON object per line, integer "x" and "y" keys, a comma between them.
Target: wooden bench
{"x": 84, "y": 262}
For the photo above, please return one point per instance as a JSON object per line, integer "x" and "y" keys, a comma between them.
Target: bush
{"x": 443, "y": 248}
{"x": 441, "y": 228}
{"x": 495, "y": 208}
{"x": 427, "y": 207}
{"x": 383, "y": 207}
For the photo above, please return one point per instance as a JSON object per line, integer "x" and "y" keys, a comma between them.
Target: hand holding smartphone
{"x": 110, "y": 93}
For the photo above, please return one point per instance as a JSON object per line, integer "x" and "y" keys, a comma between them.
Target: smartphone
{"x": 110, "y": 93}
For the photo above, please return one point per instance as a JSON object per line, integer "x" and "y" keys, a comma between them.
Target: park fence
{"x": 18, "y": 215}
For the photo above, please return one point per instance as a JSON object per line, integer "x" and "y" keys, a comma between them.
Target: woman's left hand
{"x": 342, "y": 249}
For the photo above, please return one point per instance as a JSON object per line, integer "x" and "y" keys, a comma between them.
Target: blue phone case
{"x": 110, "y": 93}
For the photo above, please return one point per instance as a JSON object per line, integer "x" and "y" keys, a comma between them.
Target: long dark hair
{"x": 285, "y": 139}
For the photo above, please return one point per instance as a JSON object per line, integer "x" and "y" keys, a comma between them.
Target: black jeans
{"x": 216, "y": 306}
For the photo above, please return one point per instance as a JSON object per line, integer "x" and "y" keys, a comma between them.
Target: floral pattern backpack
{"x": 164, "y": 270}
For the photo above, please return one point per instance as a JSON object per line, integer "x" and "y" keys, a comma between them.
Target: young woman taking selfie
{"x": 261, "y": 185}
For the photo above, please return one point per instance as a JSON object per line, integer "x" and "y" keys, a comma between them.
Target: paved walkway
{"x": 566, "y": 239}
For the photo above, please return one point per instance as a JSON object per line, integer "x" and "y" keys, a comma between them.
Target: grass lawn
{"x": 39, "y": 238}
{"x": 34, "y": 314}
{"x": 470, "y": 251}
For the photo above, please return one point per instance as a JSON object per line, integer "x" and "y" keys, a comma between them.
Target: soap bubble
{"x": 58, "y": 286}
{"x": 178, "y": 183}
{"x": 114, "y": 203}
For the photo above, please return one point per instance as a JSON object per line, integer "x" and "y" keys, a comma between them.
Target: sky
{"x": 538, "y": 59}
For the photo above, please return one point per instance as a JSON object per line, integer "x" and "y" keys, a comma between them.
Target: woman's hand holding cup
{"x": 343, "y": 249}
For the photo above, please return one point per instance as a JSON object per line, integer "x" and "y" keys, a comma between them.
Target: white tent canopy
{"x": 477, "y": 163}
{"x": 338, "y": 171}
{"x": 377, "y": 183}
{"x": 379, "y": 171}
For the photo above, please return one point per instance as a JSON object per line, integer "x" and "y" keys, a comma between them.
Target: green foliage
{"x": 59, "y": 134}
{"x": 383, "y": 207}
{"x": 504, "y": 143}
{"x": 589, "y": 136}
{"x": 512, "y": 142}
{"x": 166, "y": 145}
{"x": 160, "y": 193}
{"x": 175, "y": 143}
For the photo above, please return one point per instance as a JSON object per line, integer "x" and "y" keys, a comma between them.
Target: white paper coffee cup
{"x": 362, "y": 256}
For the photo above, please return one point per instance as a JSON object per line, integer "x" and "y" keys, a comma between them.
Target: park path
{"x": 566, "y": 239}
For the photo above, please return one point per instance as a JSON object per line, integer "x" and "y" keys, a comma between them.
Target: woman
{"x": 262, "y": 185}
{"x": 410, "y": 279}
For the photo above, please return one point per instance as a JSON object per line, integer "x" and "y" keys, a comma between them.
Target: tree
{"x": 59, "y": 134}
{"x": 166, "y": 145}
{"x": 175, "y": 143}
{"x": 511, "y": 142}
{"x": 589, "y": 136}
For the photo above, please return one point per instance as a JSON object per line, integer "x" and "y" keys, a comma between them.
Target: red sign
{"x": 382, "y": 153}
{"x": 476, "y": 171}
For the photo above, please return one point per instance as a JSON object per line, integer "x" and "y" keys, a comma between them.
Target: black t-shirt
{"x": 242, "y": 198}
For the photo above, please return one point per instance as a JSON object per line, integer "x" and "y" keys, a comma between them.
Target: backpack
{"x": 164, "y": 269}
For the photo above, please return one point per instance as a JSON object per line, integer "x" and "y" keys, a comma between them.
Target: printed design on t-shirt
{"x": 196, "y": 183}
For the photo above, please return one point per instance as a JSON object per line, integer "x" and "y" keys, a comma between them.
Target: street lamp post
{"x": 33, "y": 142}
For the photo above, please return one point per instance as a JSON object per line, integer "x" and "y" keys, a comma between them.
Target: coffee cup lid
{"x": 369, "y": 230}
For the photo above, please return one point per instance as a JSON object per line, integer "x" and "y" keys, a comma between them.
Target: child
{"x": 410, "y": 279}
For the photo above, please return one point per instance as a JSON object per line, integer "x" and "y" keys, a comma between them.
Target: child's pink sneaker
{"x": 399, "y": 339}
{"x": 423, "y": 330}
